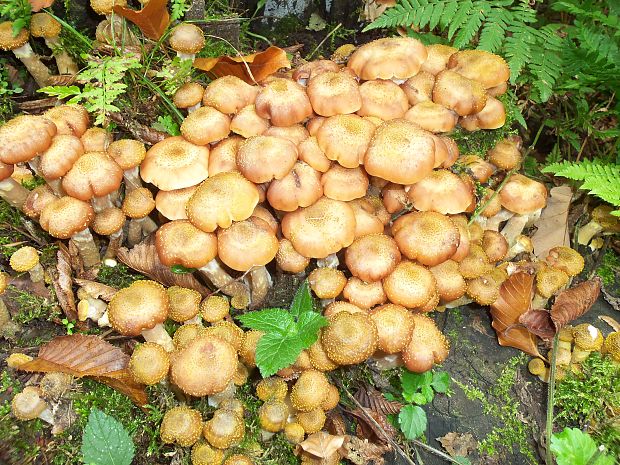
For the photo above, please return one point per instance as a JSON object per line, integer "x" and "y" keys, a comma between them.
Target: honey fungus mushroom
{"x": 428, "y": 346}
{"x": 225, "y": 429}
{"x": 18, "y": 44}
{"x": 283, "y": 102}
{"x": 350, "y": 338}
{"x": 26, "y": 259}
{"x": 391, "y": 58}
{"x": 28, "y": 405}
{"x": 149, "y": 363}
{"x": 181, "y": 425}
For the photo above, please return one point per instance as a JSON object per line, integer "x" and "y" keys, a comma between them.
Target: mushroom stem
{"x": 331, "y": 261}
{"x": 522, "y": 244}
{"x": 65, "y": 63}
{"x": 13, "y": 192}
{"x": 229, "y": 393}
{"x": 139, "y": 228}
{"x": 539, "y": 301}
{"x": 91, "y": 308}
{"x": 587, "y": 232}
{"x": 496, "y": 220}
{"x": 261, "y": 283}
{"x": 159, "y": 335}
{"x": 101, "y": 203}
{"x": 104, "y": 320}
{"x": 186, "y": 56}
{"x": 516, "y": 224}
{"x": 193, "y": 108}
{"x": 33, "y": 64}
{"x": 132, "y": 179}
{"x": 116, "y": 239}
{"x": 464, "y": 300}
{"x": 218, "y": 276}
{"x": 88, "y": 250}
{"x": 37, "y": 274}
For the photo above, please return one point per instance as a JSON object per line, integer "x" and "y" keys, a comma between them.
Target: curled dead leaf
{"x": 96, "y": 290}
{"x": 538, "y": 322}
{"x": 572, "y": 303}
{"x": 322, "y": 444}
{"x": 372, "y": 399}
{"x": 611, "y": 322}
{"x": 152, "y": 20}
{"x": 63, "y": 284}
{"x": 379, "y": 431}
{"x": 552, "y": 226}
{"x": 363, "y": 452}
{"x": 458, "y": 444}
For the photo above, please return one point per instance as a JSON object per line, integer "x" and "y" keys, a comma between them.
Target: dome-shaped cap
{"x": 108, "y": 221}
{"x": 186, "y": 38}
{"x": 25, "y": 137}
{"x": 345, "y": 139}
{"x": 10, "y": 41}
{"x": 299, "y": 188}
{"x": 383, "y": 99}
{"x": 181, "y": 243}
{"x": 229, "y": 94}
{"x": 419, "y": 88}
{"x": 389, "y": 58}
{"x": 247, "y": 123}
{"x": 334, "y": 93}
{"x": 364, "y": 295}
{"x": 188, "y": 95}
{"x": 350, "y": 338}
{"x": 138, "y": 203}
{"x": 142, "y": 305}
{"x": 340, "y": 183}
{"x": 24, "y": 259}
{"x": 289, "y": 260}
{"x": 37, "y": 199}
{"x": 149, "y": 363}
{"x": 69, "y": 119}
{"x": 456, "y": 92}
{"x": 283, "y": 102}
{"x": 60, "y": 156}
{"x": 181, "y": 425}
{"x": 127, "y": 153}
{"x": 523, "y": 195}
{"x": 246, "y": 244}
{"x": 450, "y": 283}
{"x": 372, "y": 257}
{"x": 437, "y": 58}
{"x": 492, "y": 116}
{"x": 410, "y": 285}
{"x": 172, "y": 204}
{"x": 427, "y": 346}
{"x": 96, "y": 139}
{"x": 66, "y": 216}
{"x": 106, "y": 7}
{"x": 487, "y": 68}
{"x": 432, "y": 117}
{"x": 264, "y": 158}
{"x": 205, "y": 125}
{"x": 223, "y": 156}
{"x": 394, "y": 327}
{"x": 442, "y": 191}
{"x": 94, "y": 174}
{"x": 44, "y": 25}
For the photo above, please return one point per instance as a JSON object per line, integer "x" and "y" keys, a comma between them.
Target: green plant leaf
{"x": 441, "y": 381}
{"x": 302, "y": 302}
{"x": 269, "y": 320}
{"x": 105, "y": 441}
{"x": 574, "y": 447}
{"x": 412, "y": 421}
{"x": 417, "y": 398}
{"x": 275, "y": 351}
{"x": 308, "y": 327}
{"x": 412, "y": 383}
{"x": 462, "y": 460}
{"x": 428, "y": 393}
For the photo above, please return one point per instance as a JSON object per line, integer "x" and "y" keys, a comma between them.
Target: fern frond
{"x": 401, "y": 14}
{"x": 494, "y": 30}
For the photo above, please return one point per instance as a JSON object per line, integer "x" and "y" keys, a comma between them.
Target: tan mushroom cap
{"x": 204, "y": 367}
{"x": 149, "y": 363}
{"x": 523, "y": 195}
{"x": 205, "y": 125}
{"x": 565, "y": 259}
{"x": 265, "y": 215}
{"x": 419, "y": 88}
{"x": 341, "y": 306}
{"x": 450, "y": 283}
{"x": 181, "y": 243}
{"x": 296, "y": 133}
{"x": 400, "y": 152}
{"x": 96, "y": 139}
{"x": 550, "y": 280}
{"x": 223, "y": 156}
{"x": 289, "y": 260}
{"x": 480, "y": 169}
{"x": 314, "y": 124}
{"x": 428, "y": 346}
{"x": 394, "y": 197}
{"x": 309, "y": 390}
{"x": 437, "y": 58}
{"x": 410, "y": 285}
{"x": 350, "y": 338}
{"x": 184, "y": 303}
{"x": 24, "y": 259}
{"x": 9, "y": 41}
{"x": 105, "y": 7}
{"x": 334, "y": 93}
{"x": 284, "y": 102}
{"x": 428, "y": 237}
{"x": 246, "y": 244}
{"x": 310, "y": 152}
{"x": 186, "y": 38}
{"x": 229, "y": 94}
{"x": 320, "y": 229}
{"x": 142, "y": 305}
{"x": 222, "y": 199}
{"x": 138, "y": 203}
{"x": 506, "y": 154}
{"x": 227, "y": 331}
{"x": 273, "y": 414}
{"x": 171, "y": 204}
{"x": 456, "y": 92}
{"x": 181, "y": 425}
{"x": 25, "y": 137}
{"x": 247, "y": 123}
{"x": 389, "y": 58}
{"x": 345, "y": 139}
{"x": 492, "y": 116}
{"x": 442, "y": 191}
{"x": 188, "y": 95}
{"x": 383, "y": 99}
{"x": 310, "y": 70}
{"x": 108, "y": 221}
{"x": 364, "y": 295}
{"x": 225, "y": 429}
{"x": 432, "y": 117}
{"x": 371, "y": 217}
{"x": 484, "y": 289}
{"x": 127, "y": 153}
{"x": 475, "y": 264}
{"x": 37, "y": 199}
{"x": 94, "y": 174}
{"x": 175, "y": 163}
{"x": 487, "y": 68}
{"x": 69, "y": 119}
{"x": 299, "y": 188}
{"x": 313, "y": 422}
{"x": 214, "y": 308}
{"x": 340, "y": 183}
{"x": 28, "y": 404}
{"x": 372, "y": 257}
{"x": 264, "y": 158}
{"x": 394, "y": 327}
{"x": 43, "y": 25}
{"x": 6, "y": 171}
{"x": 494, "y": 245}
{"x": 60, "y": 156}
{"x": 327, "y": 283}
{"x": 66, "y": 216}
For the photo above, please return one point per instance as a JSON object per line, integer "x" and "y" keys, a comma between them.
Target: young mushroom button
{"x": 45, "y": 26}
{"x": 187, "y": 40}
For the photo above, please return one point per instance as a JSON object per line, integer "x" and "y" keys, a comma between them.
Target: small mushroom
{"x": 55, "y": 384}
{"x": 205, "y": 125}
{"x": 309, "y": 391}
{"x": 187, "y": 40}
{"x": 428, "y": 346}
{"x": 537, "y": 367}
{"x": 566, "y": 259}
{"x": 137, "y": 205}
{"x": 611, "y": 346}
{"x": 383, "y": 99}
{"x": 182, "y": 426}
{"x": 128, "y": 154}
{"x": 312, "y": 421}
{"x": 109, "y": 222}
{"x": 45, "y": 26}
{"x": 273, "y": 415}
{"x": 294, "y": 433}
{"x": 224, "y": 430}
{"x": 20, "y": 47}
{"x": 587, "y": 339}
{"x": 28, "y": 405}
{"x": 350, "y": 338}
{"x": 602, "y": 222}
{"x": 26, "y": 259}
{"x": 229, "y": 94}
{"x": 364, "y": 295}
{"x": 526, "y": 198}
{"x": 271, "y": 388}
{"x": 214, "y": 308}
{"x": 283, "y": 102}
{"x": 204, "y": 454}
{"x": 394, "y": 327}
{"x": 11, "y": 191}
{"x": 189, "y": 96}
{"x": 334, "y": 93}
{"x": 506, "y": 154}
{"x": 149, "y": 363}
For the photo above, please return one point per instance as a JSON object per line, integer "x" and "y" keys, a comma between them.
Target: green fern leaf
{"x": 460, "y": 17}
{"x": 472, "y": 25}
{"x": 494, "y": 30}
{"x": 401, "y": 14}
{"x": 449, "y": 10}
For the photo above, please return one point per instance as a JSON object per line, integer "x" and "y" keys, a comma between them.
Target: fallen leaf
{"x": 552, "y": 226}
{"x": 458, "y": 444}
{"x": 152, "y": 20}
{"x": 63, "y": 284}
{"x": 363, "y": 452}
{"x": 96, "y": 289}
{"x": 514, "y": 299}
{"x": 144, "y": 259}
{"x": 38, "y": 5}
{"x": 572, "y": 303}
{"x": 316, "y": 23}
{"x": 611, "y": 322}
{"x": 372, "y": 399}
{"x": 538, "y": 322}
{"x": 251, "y": 68}
{"x": 334, "y": 424}
{"x": 367, "y": 429}
{"x": 322, "y": 444}
{"x": 375, "y": 8}
{"x": 477, "y": 325}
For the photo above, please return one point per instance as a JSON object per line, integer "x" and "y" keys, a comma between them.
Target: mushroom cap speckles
{"x": 108, "y": 221}
{"x": 142, "y": 305}
{"x": 184, "y": 303}
{"x": 309, "y": 391}
{"x": 284, "y": 102}
{"x": 8, "y": 41}
{"x": 264, "y": 158}
{"x": 372, "y": 257}
{"x": 60, "y": 156}
{"x": 388, "y": 58}
{"x": 44, "y": 25}
{"x": 181, "y": 425}
{"x": 350, "y": 338}
{"x": 149, "y": 363}
{"x": 225, "y": 429}
{"x": 69, "y": 119}
{"x": 394, "y": 327}
{"x": 410, "y": 285}
{"x": 24, "y": 259}
{"x": 66, "y": 216}
{"x": 127, "y": 153}
{"x": 523, "y": 195}
{"x": 94, "y": 174}
{"x": 188, "y": 95}
{"x": 334, "y": 93}
{"x": 186, "y": 38}
{"x": 345, "y": 139}
{"x": 25, "y": 137}
{"x": 229, "y": 94}
{"x": 487, "y": 68}
{"x": 247, "y": 244}
{"x": 28, "y": 405}
{"x": 138, "y": 203}
{"x": 427, "y": 347}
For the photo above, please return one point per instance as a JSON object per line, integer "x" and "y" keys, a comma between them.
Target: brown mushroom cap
{"x": 205, "y": 125}
{"x": 364, "y": 295}
{"x": 96, "y": 139}
{"x": 345, "y": 139}
{"x": 372, "y": 257}
{"x": 350, "y": 338}
{"x": 312, "y": 421}
{"x": 480, "y": 169}
{"x": 371, "y": 217}
{"x": 428, "y": 346}
{"x": 186, "y": 333}
{"x": 28, "y": 404}
{"x": 492, "y": 116}
{"x": 223, "y": 156}
{"x": 69, "y": 119}
{"x": 271, "y": 388}
{"x": 565, "y": 259}
{"x": 225, "y": 429}
{"x": 138, "y": 203}
{"x": 181, "y": 425}
{"x": 66, "y": 216}
{"x": 273, "y": 414}
{"x": 320, "y": 229}
{"x": 142, "y": 305}
{"x": 310, "y": 70}
{"x": 327, "y": 283}
{"x": 247, "y": 353}
{"x": 204, "y": 367}
{"x": 10, "y": 41}
{"x": 389, "y": 58}
{"x": 550, "y": 280}
{"x": 108, "y": 221}
{"x": 450, "y": 283}
{"x": 60, "y": 156}
{"x": 506, "y": 154}
{"x": 289, "y": 260}
{"x": 171, "y": 204}
{"x": 432, "y": 117}
{"x": 149, "y": 363}
{"x": 394, "y": 327}
{"x": 340, "y": 183}
{"x": 222, "y": 199}
{"x": 410, "y": 285}
{"x": 24, "y": 137}
{"x": 127, "y": 153}
{"x": 383, "y": 99}
{"x": 437, "y": 58}
{"x": 214, "y": 308}
{"x": 311, "y": 153}
{"x": 284, "y": 102}
{"x": 309, "y": 390}
{"x": 494, "y": 245}
{"x": 186, "y": 38}
{"x": 204, "y": 454}
{"x": 475, "y": 264}
{"x": 442, "y": 191}
{"x": 94, "y": 174}
{"x": 181, "y": 243}
{"x": 229, "y": 94}
{"x": 301, "y": 187}
{"x": 341, "y": 306}
{"x": 485, "y": 289}
{"x": 37, "y": 199}
{"x": 523, "y": 195}
{"x": 487, "y": 68}
{"x": 334, "y": 93}
{"x": 264, "y": 158}
{"x": 456, "y": 92}
{"x": 188, "y": 95}
{"x": 184, "y": 303}
{"x": 247, "y": 123}
{"x": 419, "y": 88}
{"x": 246, "y": 244}
{"x": 24, "y": 259}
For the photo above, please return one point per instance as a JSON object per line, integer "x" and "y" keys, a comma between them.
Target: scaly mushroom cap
{"x": 550, "y": 280}
{"x": 94, "y": 174}
{"x": 318, "y": 357}
{"x": 428, "y": 237}
{"x": 4, "y": 282}
{"x": 344, "y": 184}
{"x": 308, "y": 71}
{"x": 69, "y": 119}
{"x": 60, "y": 156}
{"x": 239, "y": 459}
{"x": 284, "y": 102}
{"x": 214, "y": 308}
{"x": 227, "y": 331}
{"x": 271, "y": 388}
{"x": 171, "y": 204}
{"x": 506, "y": 154}
{"x": 494, "y": 245}
{"x": 341, "y": 306}
{"x": 320, "y": 229}
{"x": 474, "y": 231}
{"x": 43, "y": 25}
{"x": 54, "y": 384}
{"x": 181, "y": 243}
{"x": 334, "y": 93}
{"x": 332, "y": 400}
{"x": 248, "y": 347}
{"x": 372, "y": 257}
{"x": 186, "y": 38}
{"x": 394, "y": 327}
{"x": 383, "y": 99}
{"x": 188, "y": 95}
{"x": 66, "y": 216}
{"x": 345, "y": 139}
{"x": 181, "y": 425}
{"x": 327, "y": 283}
{"x": 419, "y": 88}
{"x": 25, "y": 137}
{"x": 264, "y": 158}
{"x": 311, "y": 153}
{"x": 187, "y": 333}
{"x": 428, "y": 346}
{"x": 371, "y": 217}
{"x": 28, "y": 405}
{"x": 142, "y": 305}
{"x": 587, "y": 337}
{"x": 400, "y": 152}
{"x": 229, "y": 94}
{"x": 480, "y": 169}
{"x": 350, "y": 338}
{"x": 492, "y": 116}
{"x": 246, "y": 244}
{"x": 222, "y": 199}
{"x": 225, "y": 429}
{"x": 223, "y": 156}
{"x": 475, "y": 264}
{"x": 301, "y": 187}
{"x": 565, "y": 259}
{"x": 204, "y": 367}
{"x": 484, "y": 289}
{"x": 432, "y": 117}
{"x": 184, "y": 303}
{"x": 611, "y": 346}
{"x": 312, "y": 421}
{"x": 127, "y": 153}
{"x": 205, "y": 125}
{"x": 410, "y": 285}
{"x": 309, "y": 391}
{"x": 437, "y": 58}
{"x": 389, "y": 58}
{"x": 247, "y": 123}
{"x": 96, "y": 139}
{"x": 456, "y": 92}
{"x": 204, "y": 454}
{"x": 9, "y": 41}
{"x": 273, "y": 415}
{"x": 289, "y": 260}
{"x": 523, "y": 195}
{"x": 138, "y": 203}
{"x": 149, "y": 363}
{"x": 487, "y": 68}
{"x": 442, "y": 191}
{"x": 364, "y": 295}
{"x": 175, "y": 163}
{"x": 24, "y": 259}
{"x": 493, "y": 204}
{"x": 450, "y": 283}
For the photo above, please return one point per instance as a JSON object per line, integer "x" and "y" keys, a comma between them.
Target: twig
{"x": 551, "y": 400}
{"x": 324, "y": 40}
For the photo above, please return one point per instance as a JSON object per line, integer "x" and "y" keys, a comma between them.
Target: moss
{"x": 609, "y": 268}
{"x": 118, "y": 276}
{"x": 31, "y": 306}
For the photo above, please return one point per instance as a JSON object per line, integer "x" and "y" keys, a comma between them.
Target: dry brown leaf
{"x": 251, "y": 68}
{"x": 514, "y": 299}
{"x": 367, "y": 428}
{"x": 375, "y": 8}
{"x": 139, "y": 131}
{"x": 63, "y": 285}
{"x": 152, "y": 20}
{"x": 96, "y": 289}
{"x": 363, "y": 452}
{"x": 552, "y": 226}
{"x": 477, "y": 325}
{"x": 458, "y": 444}
{"x": 322, "y": 444}
{"x": 144, "y": 259}
{"x": 538, "y": 322}
{"x": 611, "y": 322}
{"x": 38, "y": 5}
{"x": 572, "y": 303}
{"x": 372, "y": 399}
{"x": 334, "y": 424}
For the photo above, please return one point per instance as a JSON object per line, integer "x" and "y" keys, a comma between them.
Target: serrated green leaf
{"x": 417, "y": 398}
{"x": 308, "y": 327}
{"x": 412, "y": 421}
{"x": 428, "y": 394}
{"x": 413, "y": 382}
{"x": 274, "y": 352}
{"x": 105, "y": 441}
{"x": 574, "y": 447}
{"x": 302, "y": 302}
{"x": 440, "y": 381}
{"x": 270, "y": 320}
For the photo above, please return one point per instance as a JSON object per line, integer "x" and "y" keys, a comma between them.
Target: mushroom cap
{"x": 475, "y": 264}
{"x": 400, "y": 152}
{"x": 175, "y": 163}
{"x": 296, "y": 133}
{"x": 437, "y": 58}
{"x": 9, "y": 41}
{"x": 341, "y": 306}
{"x": 204, "y": 454}
{"x": 318, "y": 358}
{"x": 205, "y": 125}
{"x": 350, "y": 338}
{"x": 28, "y": 405}
{"x": 506, "y": 154}
{"x": 142, "y": 305}
{"x": 450, "y": 283}
{"x": 4, "y": 282}
{"x": 480, "y": 169}
{"x": 69, "y": 119}
{"x": 284, "y": 102}
{"x": 225, "y": 429}
{"x": 371, "y": 217}
{"x": 456, "y": 92}
{"x": 138, "y": 203}
{"x": 44, "y": 25}
{"x": 312, "y": 421}
{"x": 326, "y": 282}
{"x": 186, "y": 333}
{"x": 428, "y": 237}
{"x": 550, "y": 280}
{"x": 204, "y": 367}
{"x": 537, "y": 367}
{"x": 388, "y": 58}
{"x": 25, "y": 137}
{"x": 494, "y": 245}
{"x": 523, "y": 195}
{"x": 247, "y": 123}
{"x": 289, "y": 260}
{"x": 54, "y": 384}
{"x": 345, "y": 139}
{"x": 66, "y": 216}
{"x": 247, "y": 244}
{"x": 334, "y": 93}
{"x": 410, "y": 285}
{"x": 271, "y": 388}
{"x": 432, "y": 117}
{"x": 214, "y": 308}
{"x": 485, "y": 289}
{"x": 149, "y": 363}
{"x": 565, "y": 259}
{"x": 394, "y": 327}
{"x": 419, "y": 88}
{"x": 383, "y": 99}
{"x": 264, "y": 158}
{"x": 487, "y": 68}
{"x": 332, "y": 400}
{"x": 181, "y": 425}
{"x": 186, "y": 38}
{"x": 428, "y": 346}
{"x": 24, "y": 259}
{"x": 223, "y": 156}
{"x": 611, "y": 346}
{"x": 364, "y": 295}
{"x": 248, "y": 347}
{"x": 314, "y": 124}
{"x": 294, "y": 433}
{"x": 229, "y": 94}
{"x": 311, "y": 153}
{"x": 106, "y": 7}
{"x": 442, "y": 191}
{"x": 6, "y": 171}
{"x": 309, "y": 391}
{"x": 227, "y": 331}
{"x": 184, "y": 303}
{"x": 127, "y": 153}
{"x": 310, "y": 70}
{"x": 96, "y": 139}
{"x": 108, "y": 221}
{"x": 492, "y": 116}
{"x": 171, "y": 204}
{"x": 320, "y": 229}
{"x": 273, "y": 414}
{"x": 340, "y": 183}
{"x": 587, "y": 337}
{"x": 94, "y": 174}
{"x": 179, "y": 242}
{"x": 188, "y": 95}
{"x": 301, "y": 187}
{"x": 372, "y": 257}
{"x": 394, "y": 197}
